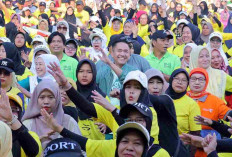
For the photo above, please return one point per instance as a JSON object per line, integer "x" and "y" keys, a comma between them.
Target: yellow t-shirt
{"x": 83, "y": 16}
{"x": 107, "y": 148}
{"x": 186, "y": 110}
{"x": 107, "y": 118}
{"x": 179, "y": 50}
{"x": 26, "y": 74}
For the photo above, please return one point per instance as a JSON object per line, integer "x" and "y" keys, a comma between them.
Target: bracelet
{"x": 14, "y": 119}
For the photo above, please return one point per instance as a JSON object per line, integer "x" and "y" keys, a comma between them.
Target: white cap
{"x": 137, "y": 126}
{"x": 183, "y": 12}
{"x": 138, "y": 76}
{"x": 97, "y": 33}
{"x": 94, "y": 18}
{"x": 181, "y": 21}
{"x": 215, "y": 34}
{"x": 26, "y": 8}
{"x": 42, "y": 48}
{"x": 38, "y": 38}
{"x": 5, "y": 39}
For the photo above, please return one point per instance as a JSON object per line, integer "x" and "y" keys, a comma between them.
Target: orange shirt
{"x": 213, "y": 108}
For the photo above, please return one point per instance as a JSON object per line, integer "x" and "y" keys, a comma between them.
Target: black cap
{"x": 21, "y": 2}
{"x": 143, "y": 2}
{"x": 117, "y": 18}
{"x": 140, "y": 107}
{"x": 79, "y": 2}
{"x": 74, "y": 41}
{"x": 7, "y": 64}
{"x": 162, "y": 34}
{"x": 63, "y": 147}
{"x": 42, "y": 4}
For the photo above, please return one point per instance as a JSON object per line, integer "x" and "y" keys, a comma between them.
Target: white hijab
{"x": 66, "y": 24}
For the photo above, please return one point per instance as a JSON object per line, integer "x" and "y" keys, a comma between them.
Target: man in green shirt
{"x": 161, "y": 59}
{"x": 56, "y": 42}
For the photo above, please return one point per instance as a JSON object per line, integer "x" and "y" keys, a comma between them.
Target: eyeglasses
{"x": 15, "y": 109}
{"x": 177, "y": 79}
{"x": 60, "y": 28}
{"x": 97, "y": 40}
{"x": 4, "y": 72}
{"x": 70, "y": 48}
{"x": 138, "y": 120}
{"x": 200, "y": 79}
{"x": 215, "y": 40}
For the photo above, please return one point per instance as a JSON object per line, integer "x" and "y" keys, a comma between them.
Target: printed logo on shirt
{"x": 4, "y": 63}
{"x": 208, "y": 110}
{"x": 167, "y": 65}
{"x": 67, "y": 68}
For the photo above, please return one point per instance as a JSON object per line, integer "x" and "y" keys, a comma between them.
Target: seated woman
{"x": 219, "y": 81}
{"x": 25, "y": 143}
{"x": 10, "y": 51}
{"x": 47, "y": 96}
{"x": 41, "y": 67}
{"x": 157, "y": 85}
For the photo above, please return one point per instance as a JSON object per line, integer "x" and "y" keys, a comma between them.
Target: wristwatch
{"x": 14, "y": 119}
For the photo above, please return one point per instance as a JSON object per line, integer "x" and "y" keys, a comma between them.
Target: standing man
{"x": 68, "y": 65}
{"x": 161, "y": 59}
{"x": 81, "y": 13}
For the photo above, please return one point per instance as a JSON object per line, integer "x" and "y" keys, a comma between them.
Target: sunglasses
{"x": 4, "y": 72}
{"x": 60, "y": 28}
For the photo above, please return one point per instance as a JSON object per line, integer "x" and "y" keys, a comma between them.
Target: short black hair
{"x": 56, "y": 34}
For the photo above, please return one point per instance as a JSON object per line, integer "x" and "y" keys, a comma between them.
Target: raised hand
{"x": 191, "y": 140}
{"x": 50, "y": 121}
{"x": 5, "y": 109}
{"x": 115, "y": 93}
{"x": 99, "y": 99}
{"x": 134, "y": 30}
{"x": 81, "y": 54}
{"x": 104, "y": 58}
{"x": 101, "y": 127}
{"x": 56, "y": 72}
{"x": 203, "y": 120}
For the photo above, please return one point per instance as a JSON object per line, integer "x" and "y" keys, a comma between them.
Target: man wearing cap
{"x": 161, "y": 59}
{"x": 42, "y": 10}
{"x": 29, "y": 4}
{"x": 81, "y": 13}
{"x": 19, "y": 7}
{"x": 10, "y": 8}
{"x": 183, "y": 15}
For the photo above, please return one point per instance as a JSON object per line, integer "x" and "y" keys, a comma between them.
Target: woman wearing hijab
{"x": 45, "y": 17}
{"x": 98, "y": 41}
{"x": 225, "y": 15}
{"x": 186, "y": 108}
{"x": 186, "y": 55}
{"x": 204, "y": 8}
{"x": 207, "y": 29}
{"x": 211, "y": 106}
{"x": 47, "y": 96}
{"x": 172, "y": 7}
{"x": 86, "y": 83}
{"x": 217, "y": 62}
{"x": 41, "y": 68}
{"x": 5, "y": 140}
{"x": 178, "y": 10}
{"x": 153, "y": 10}
{"x": 71, "y": 19}
{"x": 11, "y": 52}
{"x": 63, "y": 27}
{"x": 20, "y": 42}
{"x": 219, "y": 81}
{"x": 11, "y": 31}
{"x": 157, "y": 85}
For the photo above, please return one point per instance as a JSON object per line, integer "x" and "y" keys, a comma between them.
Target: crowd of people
{"x": 115, "y": 78}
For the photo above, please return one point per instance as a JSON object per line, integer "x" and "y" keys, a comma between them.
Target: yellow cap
{"x": 15, "y": 98}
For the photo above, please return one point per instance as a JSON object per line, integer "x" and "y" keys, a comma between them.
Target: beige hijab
{"x": 217, "y": 78}
{"x": 5, "y": 140}
{"x": 33, "y": 111}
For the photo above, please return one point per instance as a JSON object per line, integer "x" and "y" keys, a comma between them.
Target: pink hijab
{"x": 33, "y": 110}
{"x": 224, "y": 17}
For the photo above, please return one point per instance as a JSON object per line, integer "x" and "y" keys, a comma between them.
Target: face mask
{"x": 52, "y": 22}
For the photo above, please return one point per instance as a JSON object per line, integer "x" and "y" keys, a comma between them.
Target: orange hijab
{"x": 203, "y": 92}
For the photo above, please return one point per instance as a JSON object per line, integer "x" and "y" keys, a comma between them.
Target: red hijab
{"x": 203, "y": 92}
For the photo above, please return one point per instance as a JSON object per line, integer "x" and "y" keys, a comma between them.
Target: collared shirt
{"x": 68, "y": 66}
{"x": 167, "y": 64}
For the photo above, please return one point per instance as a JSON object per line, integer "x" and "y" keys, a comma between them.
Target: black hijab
{"x": 13, "y": 54}
{"x": 11, "y": 31}
{"x": 170, "y": 91}
{"x": 71, "y": 20}
{"x": 204, "y": 11}
{"x": 86, "y": 90}
{"x": 176, "y": 13}
{"x": 170, "y": 10}
{"x": 24, "y": 47}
